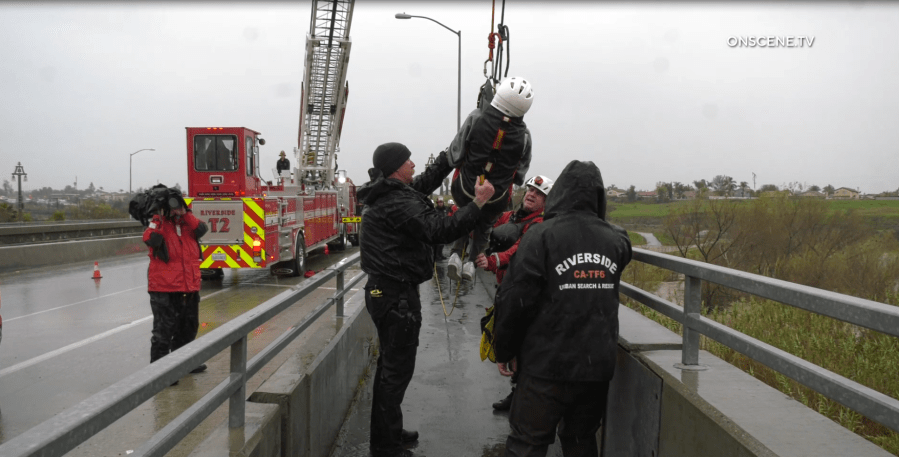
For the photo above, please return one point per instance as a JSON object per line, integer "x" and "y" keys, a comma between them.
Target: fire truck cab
{"x": 254, "y": 223}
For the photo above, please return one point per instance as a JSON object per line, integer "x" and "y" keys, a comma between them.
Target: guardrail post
{"x": 692, "y": 309}
{"x": 340, "y": 286}
{"x": 237, "y": 401}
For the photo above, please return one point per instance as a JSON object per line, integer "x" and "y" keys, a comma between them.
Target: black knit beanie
{"x": 389, "y": 157}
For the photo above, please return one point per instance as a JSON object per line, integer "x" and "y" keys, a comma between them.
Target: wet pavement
{"x": 449, "y": 401}
{"x": 68, "y": 337}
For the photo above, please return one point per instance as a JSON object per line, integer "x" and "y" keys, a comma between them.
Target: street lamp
{"x": 20, "y": 173}
{"x": 129, "y": 167}
{"x": 459, "y": 73}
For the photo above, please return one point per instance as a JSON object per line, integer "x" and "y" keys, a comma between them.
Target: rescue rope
{"x": 502, "y": 34}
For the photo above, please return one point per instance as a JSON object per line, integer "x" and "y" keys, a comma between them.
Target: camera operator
{"x": 172, "y": 236}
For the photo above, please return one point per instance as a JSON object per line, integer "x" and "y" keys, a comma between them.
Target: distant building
{"x": 650, "y": 195}
{"x": 776, "y": 193}
{"x": 616, "y": 193}
{"x": 812, "y": 194}
{"x": 845, "y": 193}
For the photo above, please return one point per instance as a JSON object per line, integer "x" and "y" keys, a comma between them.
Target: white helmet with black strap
{"x": 541, "y": 183}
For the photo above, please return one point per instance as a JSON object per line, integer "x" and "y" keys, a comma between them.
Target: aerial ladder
{"x": 324, "y": 92}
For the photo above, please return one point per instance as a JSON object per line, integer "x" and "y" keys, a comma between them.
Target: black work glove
{"x": 157, "y": 242}
{"x": 201, "y": 230}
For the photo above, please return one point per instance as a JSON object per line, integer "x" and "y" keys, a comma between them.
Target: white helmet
{"x": 541, "y": 183}
{"x": 513, "y": 97}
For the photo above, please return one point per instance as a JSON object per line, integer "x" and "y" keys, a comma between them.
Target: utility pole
{"x": 20, "y": 173}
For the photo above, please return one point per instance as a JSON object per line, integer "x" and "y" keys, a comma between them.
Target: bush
{"x": 58, "y": 216}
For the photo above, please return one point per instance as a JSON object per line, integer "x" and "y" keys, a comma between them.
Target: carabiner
{"x": 485, "y": 69}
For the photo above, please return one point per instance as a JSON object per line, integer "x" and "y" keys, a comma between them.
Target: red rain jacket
{"x": 182, "y": 272}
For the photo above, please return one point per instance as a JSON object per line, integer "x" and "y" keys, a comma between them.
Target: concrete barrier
{"x": 313, "y": 402}
{"x": 259, "y": 437}
{"x": 655, "y": 409}
{"x": 14, "y": 258}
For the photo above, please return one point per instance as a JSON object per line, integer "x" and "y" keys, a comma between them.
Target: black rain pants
{"x": 175, "y": 321}
{"x": 395, "y": 308}
{"x": 539, "y": 406}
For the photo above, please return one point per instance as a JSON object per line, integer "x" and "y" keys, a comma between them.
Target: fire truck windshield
{"x": 215, "y": 153}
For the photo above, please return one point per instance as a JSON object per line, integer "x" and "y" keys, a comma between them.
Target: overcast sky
{"x": 648, "y": 91}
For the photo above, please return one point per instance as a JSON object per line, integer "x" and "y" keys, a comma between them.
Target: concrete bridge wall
{"x": 14, "y": 258}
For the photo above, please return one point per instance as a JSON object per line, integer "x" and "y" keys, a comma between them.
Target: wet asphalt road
{"x": 67, "y": 336}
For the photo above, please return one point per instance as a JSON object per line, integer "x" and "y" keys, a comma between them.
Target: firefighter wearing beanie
{"x": 399, "y": 230}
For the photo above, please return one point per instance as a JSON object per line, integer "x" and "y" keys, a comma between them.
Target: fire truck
{"x": 256, "y": 222}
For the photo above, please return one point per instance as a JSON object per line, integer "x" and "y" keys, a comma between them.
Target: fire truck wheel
{"x": 299, "y": 260}
{"x": 211, "y": 273}
{"x": 340, "y": 244}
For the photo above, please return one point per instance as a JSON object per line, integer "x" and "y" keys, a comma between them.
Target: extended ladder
{"x": 324, "y": 91}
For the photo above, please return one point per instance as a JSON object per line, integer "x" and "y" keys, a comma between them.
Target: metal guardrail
{"x": 865, "y": 313}
{"x": 75, "y": 425}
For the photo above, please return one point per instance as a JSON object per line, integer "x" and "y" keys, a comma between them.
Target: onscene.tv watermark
{"x": 771, "y": 41}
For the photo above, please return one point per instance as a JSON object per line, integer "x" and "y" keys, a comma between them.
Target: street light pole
{"x": 20, "y": 173}
{"x": 459, "y": 67}
{"x": 130, "y": 158}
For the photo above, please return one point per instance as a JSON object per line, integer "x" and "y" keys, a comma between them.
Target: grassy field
{"x": 882, "y": 214}
{"x": 636, "y": 238}
{"x": 868, "y": 208}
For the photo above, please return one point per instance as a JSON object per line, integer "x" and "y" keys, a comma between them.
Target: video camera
{"x": 157, "y": 199}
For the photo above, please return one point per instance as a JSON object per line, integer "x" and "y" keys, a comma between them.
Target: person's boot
{"x": 468, "y": 271}
{"x": 505, "y": 403}
{"x": 199, "y": 369}
{"x": 407, "y": 436}
{"x": 454, "y": 267}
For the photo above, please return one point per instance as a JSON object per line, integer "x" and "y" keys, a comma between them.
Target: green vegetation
{"x": 867, "y": 208}
{"x": 636, "y": 238}
{"x": 879, "y": 214}
{"x": 664, "y": 238}
{"x": 822, "y": 244}
{"x": 92, "y": 209}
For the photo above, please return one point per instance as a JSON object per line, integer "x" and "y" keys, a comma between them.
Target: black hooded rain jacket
{"x": 557, "y": 308}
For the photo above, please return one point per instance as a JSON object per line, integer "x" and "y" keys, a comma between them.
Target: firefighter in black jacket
{"x": 399, "y": 228}
{"x": 557, "y": 311}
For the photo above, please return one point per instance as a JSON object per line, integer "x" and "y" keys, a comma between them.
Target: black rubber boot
{"x": 505, "y": 403}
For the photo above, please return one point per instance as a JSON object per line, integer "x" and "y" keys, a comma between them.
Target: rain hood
{"x": 578, "y": 188}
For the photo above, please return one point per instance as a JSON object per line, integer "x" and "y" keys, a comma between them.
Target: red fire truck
{"x": 254, "y": 222}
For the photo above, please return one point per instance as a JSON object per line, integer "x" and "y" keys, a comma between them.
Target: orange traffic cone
{"x": 97, "y": 270}
{"x": 326, "y": 250}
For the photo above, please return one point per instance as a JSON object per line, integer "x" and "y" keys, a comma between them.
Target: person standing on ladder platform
{"x": 400, "y": 227}
{"x": 283, "y": 164}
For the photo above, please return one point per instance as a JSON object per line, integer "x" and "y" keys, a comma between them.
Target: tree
{"x": 7, "y": 187}
{"x": 701, "y": 184}
{"x": 663, "y": 192}
{"x": 814, "y": 188}
{"x": 90, "y": 188}
{"x": 743, "y": 186}
{"x": 631, "y": 194}
{"x": 680, "y": 189}
{"x": 723, "y": 184}
{"x": 828, "y": 189}
{"x": 707, "y": 228}
{"x": 768, "y": 188}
